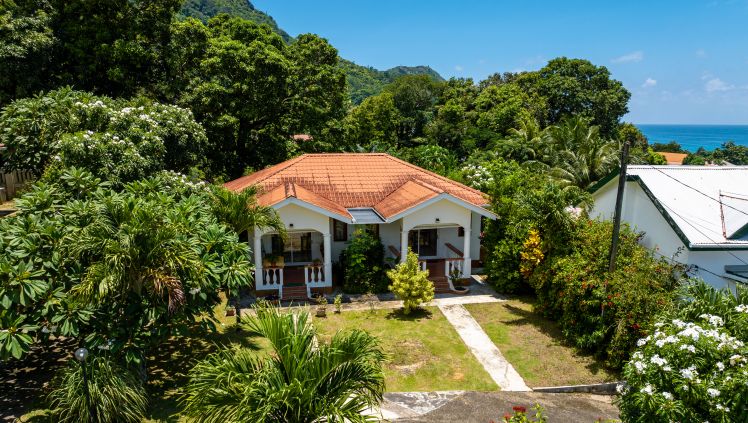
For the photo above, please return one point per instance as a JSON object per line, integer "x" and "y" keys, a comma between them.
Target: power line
{"x": 698, "y": 190}
{"x": 702, "y": 233}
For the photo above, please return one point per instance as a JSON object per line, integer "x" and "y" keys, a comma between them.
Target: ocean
{"x": 691, "y": 137}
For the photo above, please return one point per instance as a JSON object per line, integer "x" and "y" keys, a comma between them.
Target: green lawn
{"x": 534, "y": 345}
{"x": 425, "y": 353}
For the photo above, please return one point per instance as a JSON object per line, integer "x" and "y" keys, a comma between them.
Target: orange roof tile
{"x": 673, "y": 158}
{"x": 338, "y": 181}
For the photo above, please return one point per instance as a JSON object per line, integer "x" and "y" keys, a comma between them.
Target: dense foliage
{"x": 206, "y": 9}
{"x": 120, "y": 269}
{"x": 116, "y": 394}
{"x": 303, "y": 380}
{"x": 692, "y": 366}
{"x": 116, "y": 140}
{"x": 599, "y": 311}
{"x": 728, "y": 152}
{"x": 410, "y": 284}
{"x": 363, "y": 264}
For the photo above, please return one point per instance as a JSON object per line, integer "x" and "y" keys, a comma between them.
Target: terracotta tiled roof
{"x": 673, "y": 158}
{"x": 338, "y": 181}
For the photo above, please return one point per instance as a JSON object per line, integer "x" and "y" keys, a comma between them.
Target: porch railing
{"x": 272, "y": 277}
{"x": 314, "y": 274}
{"x": 453, "y": 265}
{"x": 422, "y": 264}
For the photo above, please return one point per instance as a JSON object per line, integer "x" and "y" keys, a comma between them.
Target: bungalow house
{"x": 323, "y": 198}
{"x": 694, "y": 215}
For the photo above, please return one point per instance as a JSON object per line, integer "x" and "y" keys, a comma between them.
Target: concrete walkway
{"x": 488, "y": 355}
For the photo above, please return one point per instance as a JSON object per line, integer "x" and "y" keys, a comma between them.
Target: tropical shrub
{"x": 118, "y": 269}
{"x": 363, "y": 264}
{"x": 523, "y": 201}
{"x": 116, "y": 394}
{"x": 301, "y": 381}
{"x": 694, "y": 366}
{"x": 411, "y": 284}
{"x": 602, "y": 312}
{"x": 519, "y": 415}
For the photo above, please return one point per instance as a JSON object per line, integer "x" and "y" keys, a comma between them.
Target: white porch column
{"x": 327, "y": 245}
{"x": 258, "y": 258}
{"x": 403, "y": 244}
{"x": 466, "y": 267}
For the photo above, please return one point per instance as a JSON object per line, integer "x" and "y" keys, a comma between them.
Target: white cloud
{"x": 649, "y": 83}
{"x": 701, "y": 53}
{"x": 458, "y": 68}
{"x": 633, "y": 57}
{"x": 716, "y": 84}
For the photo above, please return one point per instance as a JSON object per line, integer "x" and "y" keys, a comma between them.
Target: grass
{"x": 425, "y": 353}
{"x": 535, "y": 346}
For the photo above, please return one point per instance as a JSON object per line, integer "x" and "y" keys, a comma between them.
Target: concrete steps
{"x": 297, "y": 293}
{"x": 441, "y": 284}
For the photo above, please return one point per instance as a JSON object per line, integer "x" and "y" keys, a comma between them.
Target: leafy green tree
{"x": 119, "y": 269}
{"x": 302, "y": 381}
{"x": 117, "y": 140}
{"x": 206, "y": 9}
{"x": 573, "y": 87}
{"x": 584, "y": 156}
{"x": 252, "y": 91}
{"x": 414, "y": 97}
{"x": 116, "y": 394}
{"x": 431, "y": 157}
{"x": 503, "y": 107}
{"x": 670, "y": 147}
{"x": 411, "y": 284}
{"x": 26, "y": 43}
{"x": 372, "y": 126}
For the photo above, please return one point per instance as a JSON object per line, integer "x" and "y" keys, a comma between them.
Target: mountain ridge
{"x": 363, "y": 81}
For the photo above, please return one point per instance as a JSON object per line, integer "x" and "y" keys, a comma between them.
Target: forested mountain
{"x": 206, "y": 9}
{"x": 362, "y": 81}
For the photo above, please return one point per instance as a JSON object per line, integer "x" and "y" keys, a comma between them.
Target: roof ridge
{"x": 436, "y": 175}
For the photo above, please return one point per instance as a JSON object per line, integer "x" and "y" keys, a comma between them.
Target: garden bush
{"x": 363, "y": 264}
{"x": 117, "y": 394}
{"x": 411, "y": 284}
{"x": 601, "y": 312}
{"x": 694, "y": 366}
{"x": 523, "y": 201}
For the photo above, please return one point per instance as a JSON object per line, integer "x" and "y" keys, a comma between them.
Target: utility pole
{"x": 619, "y": 206}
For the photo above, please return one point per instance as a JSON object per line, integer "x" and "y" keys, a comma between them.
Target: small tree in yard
{"x": 410, "y": 283}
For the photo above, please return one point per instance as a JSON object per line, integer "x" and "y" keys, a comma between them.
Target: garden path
{"x": 488, "y": 355}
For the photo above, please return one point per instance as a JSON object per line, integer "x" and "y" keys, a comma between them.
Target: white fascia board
{"x": 443, "y": 196}
{"x": 312, "y": 207}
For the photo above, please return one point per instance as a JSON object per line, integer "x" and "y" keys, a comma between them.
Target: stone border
{"x": 609, "y": 388}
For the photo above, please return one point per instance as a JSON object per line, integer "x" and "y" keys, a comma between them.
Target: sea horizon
{"x": 692, "y": 136}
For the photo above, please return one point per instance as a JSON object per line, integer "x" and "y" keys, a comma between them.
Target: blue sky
{"x": 683, "y": 61}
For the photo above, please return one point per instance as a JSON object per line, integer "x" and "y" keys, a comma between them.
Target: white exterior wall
{"x": 642, "y": 215}
{"x": 714, "y": 262}
{"x": 446, "y": 211}
{"x": 639, "y": 212}
{"x": 475, "y": 237}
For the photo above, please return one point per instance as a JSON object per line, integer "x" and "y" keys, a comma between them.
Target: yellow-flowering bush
{"x": 411, "y": 284}
{"x": 532, "y": 253}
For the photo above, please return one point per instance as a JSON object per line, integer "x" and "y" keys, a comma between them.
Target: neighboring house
{"x": 323, "y": 198}
{"x": 694, "y": 215}
{"x": 673, "y": 158}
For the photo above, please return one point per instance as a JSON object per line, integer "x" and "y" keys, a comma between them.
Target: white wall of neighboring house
{"x": 642, "y": 215}
{"x": 639, "y": 212}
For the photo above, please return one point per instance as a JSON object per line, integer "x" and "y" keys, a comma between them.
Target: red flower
{"x": 519, "y": 409}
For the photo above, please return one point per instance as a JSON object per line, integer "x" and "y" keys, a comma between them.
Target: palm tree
{"x": 584, "y": 157}
{"x": 300, "y": 381}
{"x": 241, "y": 212}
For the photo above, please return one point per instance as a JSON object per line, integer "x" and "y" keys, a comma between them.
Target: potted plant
{"x": 338, "y": 303}
{"x": 317, "y": 262}
{"x": 321, "y": 306}
{"x": 455, "y": 277}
